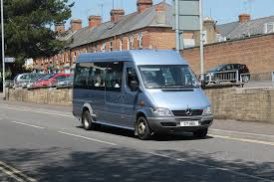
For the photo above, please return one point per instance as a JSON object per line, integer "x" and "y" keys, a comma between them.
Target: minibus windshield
{"x": 168, "y": 76}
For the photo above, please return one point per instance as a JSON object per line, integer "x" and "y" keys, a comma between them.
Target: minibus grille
{"x": 195, "y": 112}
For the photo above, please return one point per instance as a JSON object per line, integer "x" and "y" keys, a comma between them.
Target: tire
{"x": 200, "y": 133}
{"x": 87, "y": 121}
{"x": 142, "y": 129}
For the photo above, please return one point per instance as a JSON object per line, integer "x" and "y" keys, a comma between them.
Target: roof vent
{"x": 269, "y": 27}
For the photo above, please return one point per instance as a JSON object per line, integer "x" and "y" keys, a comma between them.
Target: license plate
{"x": 189, "y": 123}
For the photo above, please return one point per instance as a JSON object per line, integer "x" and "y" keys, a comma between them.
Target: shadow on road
{"x": 123, "y": 164}
{"x": 157, "y": 137}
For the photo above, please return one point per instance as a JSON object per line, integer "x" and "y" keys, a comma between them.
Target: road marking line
{"x": 39, "y": 112}
{"x": 13, "y": 172}
{"x": 211, "y": 166}
{"x": 26, "y": 124}
{"x": 243, "y": 140}
{"x": 87, "y": 138}
{"x": 242, "y": 132}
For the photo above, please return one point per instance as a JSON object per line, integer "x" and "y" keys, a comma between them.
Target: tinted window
{"x": 114, "y": 76}
{"x": 90, "y": 76}
{"x": 131, "y": 76}
{"x": 81, "y": 75}
{"x": 97, "y": 74}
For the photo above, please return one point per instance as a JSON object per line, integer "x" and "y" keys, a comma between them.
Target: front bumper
{"x": 172, "y": 124}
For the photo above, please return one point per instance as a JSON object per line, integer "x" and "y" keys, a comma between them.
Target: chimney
{"x": 75, "y": 24}
{"x": 60, "y": 27}
{"x": 243, "y": 18}
{"x": 210, "y": 28}
{"x": 142, "y": 5}
{"x": 116, "y": 14}
{"x": 94, "y": 21}
{"x": 161, "y": 13}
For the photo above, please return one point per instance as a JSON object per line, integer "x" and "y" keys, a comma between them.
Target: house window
{"x": 120, "y": 44}
{"x": 111, "y": 46}
{"x": 103, "y": 48}
{"x": 131, "y": 42}
{"x": 128, "y": 46}
{"x": 140, "y": 40}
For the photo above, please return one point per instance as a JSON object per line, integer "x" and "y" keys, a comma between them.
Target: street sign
{"x": 9, "y": 59}
{"x": 189, "y": 15}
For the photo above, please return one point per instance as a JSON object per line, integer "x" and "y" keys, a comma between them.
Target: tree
{"x": 28, "y": 27}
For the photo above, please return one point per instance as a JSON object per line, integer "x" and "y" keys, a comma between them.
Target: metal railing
{"x": 233, "y": 77}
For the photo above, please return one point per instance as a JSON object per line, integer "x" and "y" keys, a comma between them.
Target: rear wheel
{"x": 142, "y": 129}
{"x": 200, "y": 133}
{"x": 87, "y": 121}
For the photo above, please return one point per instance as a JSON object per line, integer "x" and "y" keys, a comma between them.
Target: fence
{"x": 233, "y": 77}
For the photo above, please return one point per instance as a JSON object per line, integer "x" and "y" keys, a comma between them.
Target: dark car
{"x": 227, "y": 73}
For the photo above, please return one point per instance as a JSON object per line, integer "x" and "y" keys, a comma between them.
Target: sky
{"x": 222, "y": 11}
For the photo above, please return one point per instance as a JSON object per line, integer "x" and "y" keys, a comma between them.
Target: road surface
{"x": 47, "y": 144}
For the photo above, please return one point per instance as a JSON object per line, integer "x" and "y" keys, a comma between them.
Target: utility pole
{"x": 201, "y": 40}
{"x": 3, "y": 49}
{"x": 177, "y": 25}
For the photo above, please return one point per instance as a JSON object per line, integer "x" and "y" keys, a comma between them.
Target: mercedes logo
{"x": 188, "y": 112}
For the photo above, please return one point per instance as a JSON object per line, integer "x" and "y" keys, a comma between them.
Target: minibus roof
{"x": 139, "y": 57}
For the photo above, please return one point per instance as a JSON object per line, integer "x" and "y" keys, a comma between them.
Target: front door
{"x": 130, "y": 96}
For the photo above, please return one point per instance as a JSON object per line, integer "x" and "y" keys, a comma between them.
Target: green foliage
{"x": 28, "y": 27}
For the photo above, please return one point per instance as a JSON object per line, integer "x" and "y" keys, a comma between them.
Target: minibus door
{"x": 114, "y": 94}
{"x": 130, "y": 94}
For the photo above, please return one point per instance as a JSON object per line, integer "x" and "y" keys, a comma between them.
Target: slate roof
{"x": 237, "y": 30}
{"x": 128, "y": 23}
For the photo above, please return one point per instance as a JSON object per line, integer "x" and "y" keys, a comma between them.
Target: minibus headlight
{"x": 207, "y": 111}
{"x": 162, "y": 112}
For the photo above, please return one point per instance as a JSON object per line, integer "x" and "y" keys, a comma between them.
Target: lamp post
{"x": 201, "y": 40}
{"x": 3, "y": 49}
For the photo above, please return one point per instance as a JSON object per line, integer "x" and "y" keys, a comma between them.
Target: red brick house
{"x": 149, "y": 27}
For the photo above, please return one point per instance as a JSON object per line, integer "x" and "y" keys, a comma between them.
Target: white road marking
{"x": 243, "y": 140}
{"x": 242, "y": 132}
{"x": 12, "y": 171}
{"x": 39, "y": 111}
{"x": 87, "y": 138}
{"x": 213, "y": 167}
{"x": 30, "y": 125}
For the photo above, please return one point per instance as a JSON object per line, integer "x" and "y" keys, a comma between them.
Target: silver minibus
{"x": 147, "y": 91}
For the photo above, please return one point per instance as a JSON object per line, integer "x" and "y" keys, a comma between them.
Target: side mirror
{"x": 134, "y": 85}
{"x": 203, "y": 84}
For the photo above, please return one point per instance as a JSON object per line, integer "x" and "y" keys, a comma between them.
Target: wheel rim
{"x": 86, "y": 123}
{"x": 141, "y": 127}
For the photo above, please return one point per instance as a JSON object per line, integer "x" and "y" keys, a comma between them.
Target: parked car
{"x": 227, "y": 73}
{"x": 22, "y": 80}
{"x": 32, "y": 81}
{"x": 50, "y": 80}
{"x": 65, "y": 82}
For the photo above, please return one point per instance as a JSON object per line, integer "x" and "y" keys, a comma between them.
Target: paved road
{"x": 47, "y": 144}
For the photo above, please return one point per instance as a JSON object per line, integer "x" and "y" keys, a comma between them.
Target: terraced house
{"x": 244, "y": 41}
{"x": 148, "y": 27}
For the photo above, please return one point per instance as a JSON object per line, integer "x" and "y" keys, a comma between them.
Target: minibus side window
{"x": 132, "y": 77}
{"x": 97, "y": 76}
{"x": 114, "y": 76}
{"x": 81, "y": 75}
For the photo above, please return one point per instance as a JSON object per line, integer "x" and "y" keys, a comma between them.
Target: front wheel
{"x": 87, "y": 121}
{"x": 200, "y": 133}
{"x": 142, "y": 129}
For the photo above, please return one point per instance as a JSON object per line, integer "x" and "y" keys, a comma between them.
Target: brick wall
{"x": 243, "y": 104}
{"x": 234, "y": 103}
{"x": 256, "y": 52}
